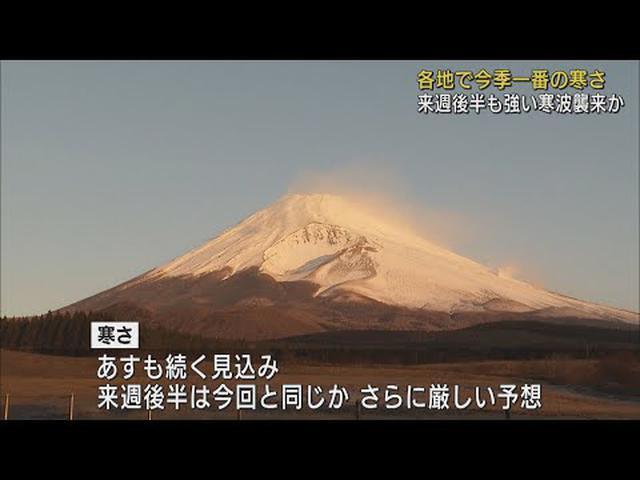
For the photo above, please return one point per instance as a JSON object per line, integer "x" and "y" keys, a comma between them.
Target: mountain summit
{"x": 330, "y": 250}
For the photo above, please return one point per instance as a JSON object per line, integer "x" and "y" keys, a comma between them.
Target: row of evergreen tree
{"x": 65, "y": 333}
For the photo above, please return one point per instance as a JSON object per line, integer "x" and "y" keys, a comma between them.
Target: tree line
{"x": 65, "y": 333}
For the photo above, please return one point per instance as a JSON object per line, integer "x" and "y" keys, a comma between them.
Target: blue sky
{"x": 111, "y": 168}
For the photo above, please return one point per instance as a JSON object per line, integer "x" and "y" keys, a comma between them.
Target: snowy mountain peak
{"x": 314, "y": 221}
{"x": 341, "y": 245}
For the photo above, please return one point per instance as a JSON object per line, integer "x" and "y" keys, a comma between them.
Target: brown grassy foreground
{"x": 39, "y": 387}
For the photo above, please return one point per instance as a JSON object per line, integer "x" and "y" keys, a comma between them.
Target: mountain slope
{"x": 325, "y": 248}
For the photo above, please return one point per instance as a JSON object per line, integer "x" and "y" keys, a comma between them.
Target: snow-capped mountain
{"x": 339, "y": 251}
{"x": 329, "y": 241}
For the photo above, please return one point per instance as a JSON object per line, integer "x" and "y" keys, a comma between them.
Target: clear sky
{"x": 112, "y": 168}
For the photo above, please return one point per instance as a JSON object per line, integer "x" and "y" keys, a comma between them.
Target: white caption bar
{"x": 114, "y": 335}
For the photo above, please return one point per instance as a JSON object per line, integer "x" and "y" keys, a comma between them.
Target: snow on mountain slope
{"x": 343, "y": 247}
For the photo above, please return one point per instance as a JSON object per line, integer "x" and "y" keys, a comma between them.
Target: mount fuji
{"x": 317, "y": 262}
